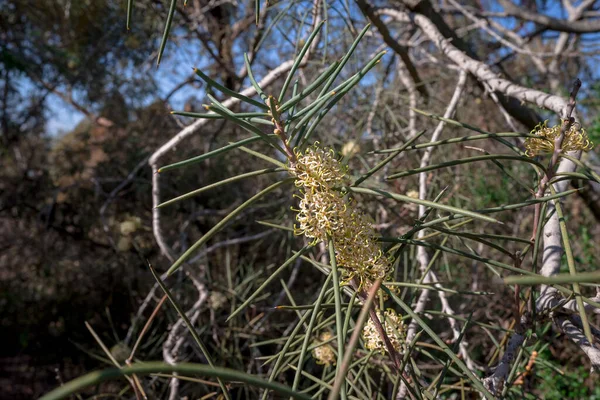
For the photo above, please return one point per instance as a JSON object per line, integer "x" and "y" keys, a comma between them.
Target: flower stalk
{"x": 275, "y": 112}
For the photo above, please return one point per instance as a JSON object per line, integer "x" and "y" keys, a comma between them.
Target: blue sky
{"x": 180, "y": 59}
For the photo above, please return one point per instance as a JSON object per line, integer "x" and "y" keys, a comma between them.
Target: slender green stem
{"x": 337, "y": 293}
{"x": 572, "y": 270}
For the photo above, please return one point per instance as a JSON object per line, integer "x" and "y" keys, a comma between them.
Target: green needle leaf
{"x": 129, "y": 11}
{"x": 309, "y": 89}
{"x": 584, "y": 277}
{"x": 298, "y": 60}
{"x": 339, "y": 325}
{"x": 345, "y": 59}
{"x": 220, "y": 183}
{"x": 147, "y": 368}
{"x": 470, "y": 127}
{"x": 258, "y": 89}
{"x": 189, "y": 325}
{"x": 465, "y": 161}
{"x": 308, "y": 334}
{"x": 163, "y": 43}
{"x": 229, "y": 92}
{"x": 218, "y": 108}
{"x": 388, "y": 159}
{"x": 268, "y": 281}
{"x": 572, "y": 270}
{"x": 474, "y": 379}
{"x": 210, "y": 154}
{"x": 256, "y": 11}
{"x": 459, "y": 140}
{"x": 443, "y": 207}
{"x": 222, "y": 224}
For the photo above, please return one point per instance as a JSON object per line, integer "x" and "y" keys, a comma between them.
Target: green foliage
{"x": 594, "y": 131}
{"x": 572, "y": 384}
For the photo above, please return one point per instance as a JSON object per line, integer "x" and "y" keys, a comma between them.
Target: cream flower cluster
{"x": 324, "y": 212}
{"x": 323, "y": 354}
{"x": 394, "y": 329}
{"x": 576, "y": 138}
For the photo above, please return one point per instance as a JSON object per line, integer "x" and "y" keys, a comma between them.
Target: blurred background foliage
{"x": 74, "y": 238}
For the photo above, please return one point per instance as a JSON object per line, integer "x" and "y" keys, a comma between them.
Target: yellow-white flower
{"x": 394, "y": 329}
{"x": 350, "y": 149}
{"x": 576, "y": 138}
{"x": 324, "y": 212}
{"x": 324, "y": 354}
{"x": 414, "y": 195}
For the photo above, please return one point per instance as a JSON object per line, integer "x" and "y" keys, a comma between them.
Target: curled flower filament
{"x": 576, "y": 138}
